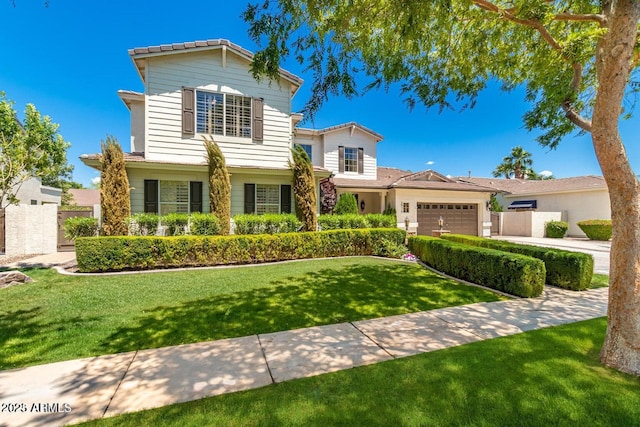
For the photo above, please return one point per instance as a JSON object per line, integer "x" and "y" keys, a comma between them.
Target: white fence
{"x": 527, "y": 223}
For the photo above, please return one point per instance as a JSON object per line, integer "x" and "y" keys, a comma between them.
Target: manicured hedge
{"x": 597, "y": 229}
{"x": 266, "y": 224}
{"x": 511, "y": 273}
{"x": 565, "y": 269}
{"x": 97, "y": 254}
{"x": 556, "y": 229}
{"x": 350, "y": 221}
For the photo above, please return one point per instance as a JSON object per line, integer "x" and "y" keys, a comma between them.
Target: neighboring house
{"x": 205, "y": 88}
{"x": 577, "y": 198}
{"x": 32, "y": 192}
{"x": 85, "y": 197}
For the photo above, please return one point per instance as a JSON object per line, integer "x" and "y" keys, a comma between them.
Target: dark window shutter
{"x": 341, "y": 159}
{"x": 188, "y": 111}
{"x": 360, "y": 161}
{"x": 195, "y": 196}
{"x": 249, "y": 198}
{"x": 258, "y": 119}
{"x": 151, "y": 196}
{"x": 285, "y": 199}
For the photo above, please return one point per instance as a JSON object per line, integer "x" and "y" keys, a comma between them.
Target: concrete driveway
{"x": 598, "y": 249}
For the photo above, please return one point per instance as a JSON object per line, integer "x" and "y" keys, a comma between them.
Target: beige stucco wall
{"x": 526, "y": 223}
{"x": 31, "y": 229}
{"x": 574, "y": 206}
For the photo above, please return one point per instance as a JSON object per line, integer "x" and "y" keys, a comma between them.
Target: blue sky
{"x": 71, "y": 58}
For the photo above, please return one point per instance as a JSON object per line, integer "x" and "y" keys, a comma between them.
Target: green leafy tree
{"x": 577, "y": 60}
{"x": 219, "y": 185}
{"x": 32, "y": 149}
{"x": 115, "y": 202}
{"x": 518, "y": 163}
{"x": 304, "y": 188}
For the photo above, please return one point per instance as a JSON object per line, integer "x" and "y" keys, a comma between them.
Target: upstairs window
{"x": 223, "y": 114}
{"x": 350, "y": 159}
{"x": 307, "y": 149}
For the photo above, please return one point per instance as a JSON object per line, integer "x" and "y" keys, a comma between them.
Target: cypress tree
{"x": 304, "y": 188}
{"x": 115, "y": 201}
{"x": 219, "y": 185}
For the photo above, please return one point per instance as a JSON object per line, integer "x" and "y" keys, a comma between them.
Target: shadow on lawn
{"x": 327, "y": 296}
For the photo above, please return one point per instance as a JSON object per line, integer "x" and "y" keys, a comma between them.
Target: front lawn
{"x": 547, "y": 377}
{"x": 67, "y": 317}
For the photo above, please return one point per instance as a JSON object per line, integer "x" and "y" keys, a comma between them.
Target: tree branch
{"x": 567, "y": 105}
{"x": 593, "y": 17}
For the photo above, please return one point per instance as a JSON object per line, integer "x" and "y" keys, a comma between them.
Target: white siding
{"x": 317, "y": 152}
{"x": 137, "y": 177}
{"x": 359, "y": 139}
{"x": 239, "y": 180}
{"x": 137, "y": 127}
{"x": 167, "y": 75}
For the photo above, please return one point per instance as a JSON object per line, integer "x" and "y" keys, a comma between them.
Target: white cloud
{"x": 545, "y": 173}
{"x": 95, "y": 180}
{"x": 430, "y": 162}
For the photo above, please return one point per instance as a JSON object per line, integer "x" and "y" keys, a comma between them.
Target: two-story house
{"x": 205, "y": 88}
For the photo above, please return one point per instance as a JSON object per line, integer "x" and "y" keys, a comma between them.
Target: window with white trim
{"x": 405, "y": 207}
{"x": 307, "y": 149}
{"x": 223, "y": 114}
{"x": 174, "y": 197}
{"x": 267, "y": 198}
{"x": 350, "y": 159}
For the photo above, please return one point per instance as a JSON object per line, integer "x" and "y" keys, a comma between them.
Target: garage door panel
{"x": 458, "y": 218}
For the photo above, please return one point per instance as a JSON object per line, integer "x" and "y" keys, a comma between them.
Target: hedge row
{"x": 266, "y": 223}
{"x": 565, "y": 269}
{"x": 597, "y": 229}
{"x": 350, "y": 221}
{"x": 98, "y": 254}
{"x": 511, "y": 273}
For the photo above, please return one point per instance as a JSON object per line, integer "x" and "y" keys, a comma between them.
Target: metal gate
{"x": 495, "y": 224}
{"x": 458, "y": 218}
{"x": 2, "y": 233}
{"x": 65, "y": 245}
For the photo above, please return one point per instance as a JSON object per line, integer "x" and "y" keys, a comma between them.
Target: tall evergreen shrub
{"x": 347, "y": 204}
{"x": 219, "y": 185}
{"x": 115, "y": 201}
{"x": 304, "y": 189}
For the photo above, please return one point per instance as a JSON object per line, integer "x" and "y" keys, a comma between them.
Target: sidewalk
{"x": 55, "y": 259}
{"x": 79, "y": 390}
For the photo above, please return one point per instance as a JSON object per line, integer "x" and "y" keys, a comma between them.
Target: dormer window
{"x": 223, "y": 114}
{"x": 350, "y": 159}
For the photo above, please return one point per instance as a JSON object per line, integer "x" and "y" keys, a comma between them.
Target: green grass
{"x": 66, "y": 317}
{"x": 599, "y": 281}
{"x": 547, "y": 377}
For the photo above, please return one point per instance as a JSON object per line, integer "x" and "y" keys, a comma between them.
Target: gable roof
{"x": 349, "y": 125}
{"x": 139, "y": 54}
{"x": 429, "y": 179}
{"x": 522, "y": 187}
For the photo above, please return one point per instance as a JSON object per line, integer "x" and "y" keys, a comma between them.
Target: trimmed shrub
{"x": 266, "y": 224}
{"x": 565, "y": 269}
{"x": 143, "y": 224}
{"x": 80, "y": 226}
{"x": 176, "y": 223}
{"x": 597, "y": 229}
{"x": 202, "y": 224}
{"x": 219, "y": 185}
{"x": 511, "y": 273}
{"x": 389, "y": 211}
{"x": 96, "y": 254}
{"x": 390, "y": 249}
{"x": 304, "y": 188}
{"x": 350, "y": 221}
{"x": 347, "y": 204}
{"x": 556, "y": 229}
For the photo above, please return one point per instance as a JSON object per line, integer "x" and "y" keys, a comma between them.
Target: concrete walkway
{"x": 104, "y": 386}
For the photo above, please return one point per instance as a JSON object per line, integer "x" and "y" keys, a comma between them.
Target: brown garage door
{"x": 458, "y": 218}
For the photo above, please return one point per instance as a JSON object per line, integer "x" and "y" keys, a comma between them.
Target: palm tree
{"x": 519, "y": 164}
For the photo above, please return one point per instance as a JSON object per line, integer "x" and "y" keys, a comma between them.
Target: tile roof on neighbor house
{"x": 142, "y": 52}
{"x": 521, "y": 187}
{"x": 398, "y": 178}
{"x": 85, "y": 197}
{"x": 352, "y": 125}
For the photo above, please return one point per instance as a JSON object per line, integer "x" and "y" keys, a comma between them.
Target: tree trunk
{"x": 621, "y": 349}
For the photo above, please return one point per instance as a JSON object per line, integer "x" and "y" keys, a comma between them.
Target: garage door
{"x": 458, "y": 218}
